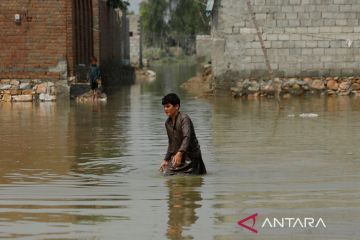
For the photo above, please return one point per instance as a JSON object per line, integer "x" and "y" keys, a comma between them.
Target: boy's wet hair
{"x": 171, "y": 98}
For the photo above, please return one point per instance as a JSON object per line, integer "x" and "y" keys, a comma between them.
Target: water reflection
{"x": 168, "y": 78}
{"x": 33, "y": 142}
{"x": 184, "y": 198}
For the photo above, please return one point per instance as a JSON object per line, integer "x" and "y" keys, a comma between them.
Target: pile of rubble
{"x": 12, "y": 90}
{"x": 287, "y": 87}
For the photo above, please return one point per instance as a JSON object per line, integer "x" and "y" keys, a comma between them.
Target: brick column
{"x": 70, "y": 40}
{"x": 96, "y": 29}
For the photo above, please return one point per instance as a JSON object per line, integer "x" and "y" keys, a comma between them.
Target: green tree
{"x": 187, "y": 20}
{"x": 153, "y": 16}
{"x": 173, "y": 22}
{"x": 122, "y": 4}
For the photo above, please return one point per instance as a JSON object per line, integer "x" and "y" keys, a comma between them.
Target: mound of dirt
{"x": 202, "y": 84}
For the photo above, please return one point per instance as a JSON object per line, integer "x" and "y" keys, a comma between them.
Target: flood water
{"x": 90, "y": 171}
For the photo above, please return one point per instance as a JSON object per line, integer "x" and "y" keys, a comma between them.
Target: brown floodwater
{"x": 90, "y": 171}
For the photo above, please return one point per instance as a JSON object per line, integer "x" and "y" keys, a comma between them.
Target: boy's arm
{"x": 186, "y": 132}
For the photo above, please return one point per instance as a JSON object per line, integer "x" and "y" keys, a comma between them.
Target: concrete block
{"x": 341, "y": 51}
{"x": 311, "y": 44}
{"x": 306, "y": 51}
{"x": 307, "y": 37}
{"x": 300, "y": 44}
{"x": 283, "y": 52}
{"x": 257, "y": 59}
{"x": 347, "y": 29}
{"x": 279, "y": 16}
{"x": 352, "y": 22}
{"x": 260, "y": 16}
{"x": 329, "y": 22}
{"x": 340, "y": 22}
{"x": 295, "y": 37}
{"x": 318, "y": 51}
{"x": 247, "y": 31}
{"x": 284, "y": 37}
{"x": 336, "y": 29}
{"x": 341, "y": 1}
{"x": 276, "y": 44}
{"x": 272, "y": 37}
{"x": 255, "y": 45}
{"x": 313, "y": 30}
{"x": 346, "y": 8}
{"x": 330, "y": 51}
{"x": 309, "y": 7}
{"x": 325, "y": 29}
{"x": 291, "y": 15}
{"x": 289, "y": 44}
{"x": 294, "y": 23}
{"x": 239, "y": 24}
{"x": 315, "y": 15}
{"x": 335, "y": 44}
{"x": 287, "y": 9}
{"x": 260, "y": 2}
{"x": 249, "y": 52}
{"x": 282, "y": 23}
{"x": 295, "y": 52}
{"x": 317, "y": 22}
{"x": 304, "y": 15}
{"x": 294, "y": 2}
{"x": 258, "y": 52}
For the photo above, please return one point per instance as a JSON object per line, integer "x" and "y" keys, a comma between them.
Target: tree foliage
{"x": 153, "y": 14}
{"x": 122, "y": 4}
{"x": 174, "y": 22}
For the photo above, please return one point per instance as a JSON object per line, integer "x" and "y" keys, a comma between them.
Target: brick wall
{"x": 35, "y": 47}
{"x": 302, "y": 38}
{"x": 47, "y": 45}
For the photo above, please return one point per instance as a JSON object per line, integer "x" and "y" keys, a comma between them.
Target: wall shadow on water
{"x": 183, "y": 200}
{"x": 117, "y": 77}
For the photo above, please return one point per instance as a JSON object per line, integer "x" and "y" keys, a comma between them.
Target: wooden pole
{"x": 276, "y": 87}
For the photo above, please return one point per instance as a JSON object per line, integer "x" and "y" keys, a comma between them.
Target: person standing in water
{"x": 183, "y": 154}
{"x": 94, "y": 75}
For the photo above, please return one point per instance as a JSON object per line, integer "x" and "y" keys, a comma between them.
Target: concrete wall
{"x": 134, "y": 39}
{"x": 302, "y": 38}
{"x": 203, "y": 46}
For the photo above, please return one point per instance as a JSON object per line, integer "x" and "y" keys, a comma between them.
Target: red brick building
{"x": 49, "y": 39}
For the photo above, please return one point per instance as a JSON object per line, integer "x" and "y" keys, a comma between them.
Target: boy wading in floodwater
{"x": 94, "y": 76}
{"x": 183, "y": 154}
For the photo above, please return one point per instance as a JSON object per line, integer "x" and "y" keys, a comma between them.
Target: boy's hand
{"x": 176, "y": 161}
{"x": 163, "y": 165}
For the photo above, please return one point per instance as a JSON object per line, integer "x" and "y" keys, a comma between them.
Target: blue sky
{"x": 134, "y": 5}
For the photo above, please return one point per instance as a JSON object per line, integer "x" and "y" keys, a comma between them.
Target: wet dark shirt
{"x": 182, "y": 138}
{"x": 94, "y": 73}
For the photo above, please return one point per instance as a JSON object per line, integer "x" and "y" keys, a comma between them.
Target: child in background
{"x": 94, "y": 76}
